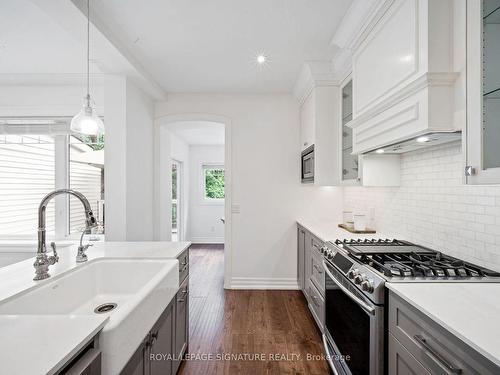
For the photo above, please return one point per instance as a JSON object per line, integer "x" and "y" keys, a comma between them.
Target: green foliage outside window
{"x": 94, "y": 142}
{"x": 214, "y": 183}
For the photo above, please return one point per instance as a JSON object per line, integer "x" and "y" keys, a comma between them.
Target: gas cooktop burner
{"x": 430, "y": 265}
{"x": 400, "y": 259}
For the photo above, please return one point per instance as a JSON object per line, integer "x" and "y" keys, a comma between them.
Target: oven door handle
{"x": 329, "y": 356}
{"x": 368, "y": 309}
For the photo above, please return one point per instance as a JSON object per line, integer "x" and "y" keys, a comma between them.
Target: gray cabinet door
{"x": 161, "y": 350}
{"x": 401, "y": 362}
{"x": 138, "y": 364}
{"x": 434, "y": 347}
{"x": 181, "y": 324}
{"x": 301, "y": 244}
{"x": 88, "y": 364}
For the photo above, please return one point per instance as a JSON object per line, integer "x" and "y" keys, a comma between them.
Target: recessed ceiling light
{"x": 380, "y": 151}
{"x": 422, "y": 139}
{"x": 261, "y": 59}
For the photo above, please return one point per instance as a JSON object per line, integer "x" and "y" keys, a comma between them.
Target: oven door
{"x": 354, "y": 327}
{"x": 308, "y": 165}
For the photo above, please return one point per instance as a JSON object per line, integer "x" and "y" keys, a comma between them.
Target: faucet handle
{"x": 81, "y": 256}
{"x": 54, "y": 258}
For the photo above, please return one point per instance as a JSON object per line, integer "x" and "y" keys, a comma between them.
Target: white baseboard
{"x": 264, "y": 283}
{"x": 209, "y": 240}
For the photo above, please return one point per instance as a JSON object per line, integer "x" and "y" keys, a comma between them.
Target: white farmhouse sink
{"x": 141, "y": 288}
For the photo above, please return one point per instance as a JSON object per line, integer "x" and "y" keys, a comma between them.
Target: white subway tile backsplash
{"x": 434, "y": 208}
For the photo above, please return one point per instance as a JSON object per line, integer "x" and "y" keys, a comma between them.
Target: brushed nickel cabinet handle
{"x": 434, "y": 353}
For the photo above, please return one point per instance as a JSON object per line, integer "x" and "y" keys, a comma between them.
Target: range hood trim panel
{"x": 411, "y": 144}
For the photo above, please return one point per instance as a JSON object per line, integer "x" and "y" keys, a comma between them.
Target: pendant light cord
{"x": 88, "y": 51}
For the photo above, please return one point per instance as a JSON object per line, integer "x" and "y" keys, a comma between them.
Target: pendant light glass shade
{"x": 87, "y": 121}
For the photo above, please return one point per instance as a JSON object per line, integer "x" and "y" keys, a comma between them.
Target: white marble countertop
{"x": 327, "y": 230}
{"x": 34, "y": 344}
{"x": 470, "y": 311}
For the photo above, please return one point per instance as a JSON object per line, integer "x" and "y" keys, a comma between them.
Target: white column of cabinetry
{"x": 319, "y": 124}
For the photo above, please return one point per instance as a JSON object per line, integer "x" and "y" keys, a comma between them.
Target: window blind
{"x": 27, "y": 174}
{"x": 87, "y": 180}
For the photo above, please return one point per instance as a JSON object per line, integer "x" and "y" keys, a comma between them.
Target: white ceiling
{"x": 199, "y": 133}
{"x": 33, "y": 43}
{"x": 44, "y": 42}
{"x": 210, "y": 46}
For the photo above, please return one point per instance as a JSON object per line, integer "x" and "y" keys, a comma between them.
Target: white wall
{"x": 129, "y": 122}
{"x": 265, "y": 184}
{"x": 432, "y": 207}
{"x": 115, "y": 168}
{"x": 205, "y": 223}
{"x": 139, "y": 158}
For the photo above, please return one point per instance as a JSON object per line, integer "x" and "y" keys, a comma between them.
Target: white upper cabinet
{"x": 403, "y": 74}
{"x": 483, "y": 92}
{"x": 307, "y": 122}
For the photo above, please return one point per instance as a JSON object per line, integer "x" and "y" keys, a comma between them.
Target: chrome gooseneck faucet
{"x": 42, "y": 261}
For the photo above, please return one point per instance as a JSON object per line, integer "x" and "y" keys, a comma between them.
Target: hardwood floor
{"x": 246, "y": 331}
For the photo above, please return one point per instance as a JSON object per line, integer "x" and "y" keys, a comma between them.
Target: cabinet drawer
{"x": 317, "y": 272}
{"x": 183, "y": 259}
{"x": 316, "y": 304}
{"x": 401, "y": 362}
{"x": 439, "y": 351}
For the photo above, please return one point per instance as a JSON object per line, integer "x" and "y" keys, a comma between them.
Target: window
{"x": 213, "y": 182}
{"x": 32, "y": 165}
{"x": 27, "y": 174}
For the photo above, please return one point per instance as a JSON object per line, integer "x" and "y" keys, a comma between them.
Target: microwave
{"x": 307, "y": 165}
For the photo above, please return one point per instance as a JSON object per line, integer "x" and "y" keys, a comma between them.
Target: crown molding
{"x": 359, "y": 20}
{"x": 314, "y": 74}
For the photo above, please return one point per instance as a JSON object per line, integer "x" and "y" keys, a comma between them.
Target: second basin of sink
{"x": 140, "y": 288}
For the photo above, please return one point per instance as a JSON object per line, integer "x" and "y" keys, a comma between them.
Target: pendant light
{"x": 87, "y": 121}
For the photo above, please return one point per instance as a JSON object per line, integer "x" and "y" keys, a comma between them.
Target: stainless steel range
{"x": 355, "y": 275}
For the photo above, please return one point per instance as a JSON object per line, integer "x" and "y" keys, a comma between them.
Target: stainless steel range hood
{"x": 417, "y": 143}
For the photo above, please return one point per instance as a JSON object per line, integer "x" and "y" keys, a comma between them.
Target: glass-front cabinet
{"x": 483, "y": 92}
{"x": 349, "y": 162}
